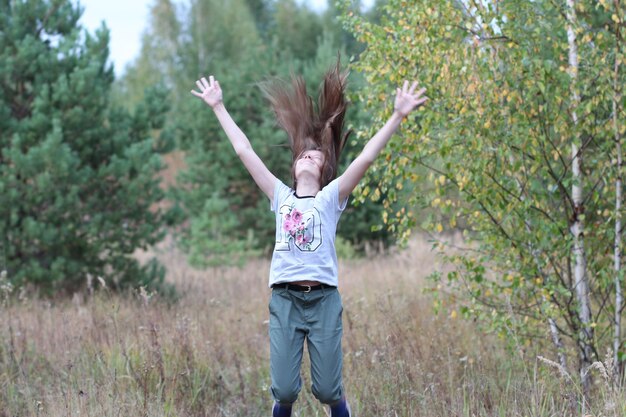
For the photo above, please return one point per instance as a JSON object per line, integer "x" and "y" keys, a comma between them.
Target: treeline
{"x": 241, "y": 42}
{"x": 81, "y": 153}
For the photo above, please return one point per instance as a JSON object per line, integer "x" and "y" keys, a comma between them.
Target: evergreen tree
{"x": 262, "y": 12}
{"x": 78, "y": 182}
{"x": 156, "y": 63}
{"x": 296, "y": 29}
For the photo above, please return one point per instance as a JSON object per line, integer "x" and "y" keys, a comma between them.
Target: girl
{"x": 305, "y": 304}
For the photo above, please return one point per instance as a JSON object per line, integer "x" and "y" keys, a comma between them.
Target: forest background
{"x": 134, "y": 243}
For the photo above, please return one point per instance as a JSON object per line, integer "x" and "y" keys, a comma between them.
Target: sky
{"x": 126, "y": 20}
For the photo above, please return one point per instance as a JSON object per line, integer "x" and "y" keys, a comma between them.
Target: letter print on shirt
{"x": 303, "y": 229}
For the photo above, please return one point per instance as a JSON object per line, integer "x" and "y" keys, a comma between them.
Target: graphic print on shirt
{"x": 302, "y": 229}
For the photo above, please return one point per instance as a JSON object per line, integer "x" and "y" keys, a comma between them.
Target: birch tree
{"x": 617, "y": 108}
{"x": 581, "y": 284}
{"x": 520, "y": 91}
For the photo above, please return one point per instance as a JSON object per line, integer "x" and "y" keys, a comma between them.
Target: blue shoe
{"x": 281, "y": 410}
{"x": 340, "y": 409}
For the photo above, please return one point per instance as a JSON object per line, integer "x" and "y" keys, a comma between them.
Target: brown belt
{"x": 301, "y": 288}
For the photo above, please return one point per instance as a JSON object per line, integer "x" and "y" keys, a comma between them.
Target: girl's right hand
{"x": 210, "y": 91}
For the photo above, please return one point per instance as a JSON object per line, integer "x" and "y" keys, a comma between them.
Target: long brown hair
{"x": 309, "y": 128}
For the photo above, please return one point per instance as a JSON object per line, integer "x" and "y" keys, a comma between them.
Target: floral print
{"x": 297, "y": 228}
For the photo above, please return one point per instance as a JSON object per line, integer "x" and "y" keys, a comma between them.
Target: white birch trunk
{"x": 617, "y": 257}
{"x": 554, "y": 331}
{"x": 578, "y": 227}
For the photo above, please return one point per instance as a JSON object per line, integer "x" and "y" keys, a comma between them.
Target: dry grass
{"x": 207, "y": 354}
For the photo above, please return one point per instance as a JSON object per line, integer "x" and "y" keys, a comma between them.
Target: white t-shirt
{"x": 305, "y": 235}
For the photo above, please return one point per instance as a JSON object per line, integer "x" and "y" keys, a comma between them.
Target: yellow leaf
{"x": 376, "y": 195}
{"x": 453, "y": 314}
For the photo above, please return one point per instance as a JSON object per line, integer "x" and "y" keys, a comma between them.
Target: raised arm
{"x": 406, "y": 101}
{"x": 211, "y": 94}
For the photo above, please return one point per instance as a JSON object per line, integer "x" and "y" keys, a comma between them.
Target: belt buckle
{"x": 308, "y": 288}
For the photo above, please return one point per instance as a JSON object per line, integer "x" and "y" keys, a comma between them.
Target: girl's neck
{"x": 306, "y": 188}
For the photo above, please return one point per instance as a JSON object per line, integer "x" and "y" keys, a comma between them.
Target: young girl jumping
{"x": 305, "y": 304}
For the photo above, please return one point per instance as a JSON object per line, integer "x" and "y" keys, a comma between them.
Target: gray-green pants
{"x": 316, "y": 317}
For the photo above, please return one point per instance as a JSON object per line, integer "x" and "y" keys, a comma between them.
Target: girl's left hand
{"x": 407, "y": 99}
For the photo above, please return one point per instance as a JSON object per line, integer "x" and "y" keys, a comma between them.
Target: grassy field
{"x": 207, "y": 354}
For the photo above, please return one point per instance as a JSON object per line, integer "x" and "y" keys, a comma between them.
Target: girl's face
{"x": 310, "y": 162}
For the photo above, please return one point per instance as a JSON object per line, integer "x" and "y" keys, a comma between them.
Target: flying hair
{"x": 309, "y": 127}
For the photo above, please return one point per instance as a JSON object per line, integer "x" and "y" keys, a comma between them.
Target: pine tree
{"x": 78, "y": 182}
